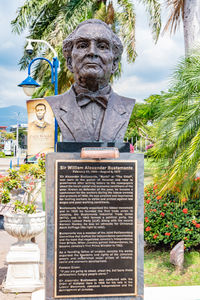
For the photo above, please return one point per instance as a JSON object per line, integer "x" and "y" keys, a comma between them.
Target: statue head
{"x": 92, "y": 52}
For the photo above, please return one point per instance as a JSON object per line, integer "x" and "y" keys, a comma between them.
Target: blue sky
{"x": 148, "y": 75}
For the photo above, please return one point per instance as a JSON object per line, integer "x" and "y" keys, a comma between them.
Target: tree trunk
{"x": 191, "y": 24}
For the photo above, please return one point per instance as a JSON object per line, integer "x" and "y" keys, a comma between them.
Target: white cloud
{"x": 10, "y": 93}
{"x": 136, "y": 88}
{"x": 7, "y": 45}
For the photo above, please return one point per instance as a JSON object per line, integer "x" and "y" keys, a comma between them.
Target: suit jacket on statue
{"x": 73, "y": 126}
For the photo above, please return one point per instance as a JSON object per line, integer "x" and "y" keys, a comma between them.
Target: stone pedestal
{"x": 24, "y": 256}
{"x": 23, "y": 268}
{"x": 83, "y": 202}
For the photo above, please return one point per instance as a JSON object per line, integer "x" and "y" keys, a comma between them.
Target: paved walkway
{"x": 156, "y": 293}
{"x": 6, "y": 162}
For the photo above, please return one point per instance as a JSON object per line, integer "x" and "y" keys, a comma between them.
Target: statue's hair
{"x": 69, "y": 41}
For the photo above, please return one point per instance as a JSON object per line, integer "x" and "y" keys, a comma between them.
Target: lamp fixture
{"x": 29, "y": 85}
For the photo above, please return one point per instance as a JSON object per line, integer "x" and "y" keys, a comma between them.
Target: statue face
{"x": 92, "y": 54}
{"x": 40, "y": 112}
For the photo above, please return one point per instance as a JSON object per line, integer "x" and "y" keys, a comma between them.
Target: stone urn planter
{"x": 24, "y": 256}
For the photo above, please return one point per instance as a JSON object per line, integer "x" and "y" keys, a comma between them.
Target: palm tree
{"x": 142, "y": 119}
{"x": 189, "y": 12}
{"x": 53, "y": 20}
{"x": 178, "y": 127}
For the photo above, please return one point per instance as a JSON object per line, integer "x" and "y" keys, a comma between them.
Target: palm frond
{"x": 110, "y": 18}
{"x": 178, "y": 133}
{"x": 126, "y": 20}
{"x": 26, "y": 14}
{"x": 177, "y": 9}
{"x": 154, "y": 9}
{"x": 77, "y": 11}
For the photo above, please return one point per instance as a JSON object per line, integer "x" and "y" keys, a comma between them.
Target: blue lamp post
{"x": 29, "y": 84}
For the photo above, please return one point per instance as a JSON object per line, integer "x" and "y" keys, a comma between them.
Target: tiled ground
{"x": 5, "y": 242}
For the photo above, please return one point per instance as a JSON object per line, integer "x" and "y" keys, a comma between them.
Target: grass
{"x": 43, "y": 195}
{"x": 158, "y": 271}
{"x": 149, "y": 168}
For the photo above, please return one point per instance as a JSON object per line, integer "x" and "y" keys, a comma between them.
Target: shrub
{"x": 24, "y": 180}
{"x": 168, "y": 221}
{"x": 24, "y": 168}
{"x": 36, "y": 170}
{"x": 2, "y": 154}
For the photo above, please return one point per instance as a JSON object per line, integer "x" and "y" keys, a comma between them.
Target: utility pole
{"x": 17, "y": 139}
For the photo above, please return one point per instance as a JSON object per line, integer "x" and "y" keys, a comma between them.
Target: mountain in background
{"x": 9, "y": 115}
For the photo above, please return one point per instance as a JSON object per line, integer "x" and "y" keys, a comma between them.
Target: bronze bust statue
{"x": 90, "y": 110}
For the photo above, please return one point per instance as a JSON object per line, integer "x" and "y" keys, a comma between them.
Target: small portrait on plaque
{"x": 40, "y": 111}
{"x": 40, "y": 127}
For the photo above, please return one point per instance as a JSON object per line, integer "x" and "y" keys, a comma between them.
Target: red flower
{"x": 148, "y": 228}
{"x": 154, "y": 209}
{"x": 185, "y": 238}
{"x": 196, "y": 179}
{"x": 167, "y": 225}
{"x": 175, "y": 226}
{"x": 171, "y": 212}
{"x": 158, "y": 197}
{"x": 165, "y": 204}
{"x": 167, "y": 233}
{"x": 146, "y": 220}
{"x": 197, "y": 225}
{"x": 162, "y": 214}
{"x": 185, "y": 210}
{"x": 131, "y": 148}
{"x": 194, "y": 222}
{"x": 155, "y": 236}
{"x": 148, "y": 201}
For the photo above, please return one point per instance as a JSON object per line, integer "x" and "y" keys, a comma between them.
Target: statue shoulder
{"x": 58, "y": 100}
{"x": 127, "y": 99}
{"x": 128, "y": 103}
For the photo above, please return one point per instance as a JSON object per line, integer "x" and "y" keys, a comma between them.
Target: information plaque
{"x": 95, "y": 228}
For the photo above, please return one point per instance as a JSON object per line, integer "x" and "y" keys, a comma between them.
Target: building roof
{"x": 3, "y": 127}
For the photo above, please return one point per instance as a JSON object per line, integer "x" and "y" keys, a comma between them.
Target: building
{"x": 3, "y": 128}
{"x": 13, "y": 128}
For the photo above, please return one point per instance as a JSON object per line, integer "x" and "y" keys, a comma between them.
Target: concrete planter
{"x": 24, "y": 256}
{"x": 24, "y": 226}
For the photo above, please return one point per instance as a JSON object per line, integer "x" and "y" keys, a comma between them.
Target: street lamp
{"x": 29, "y": 84}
